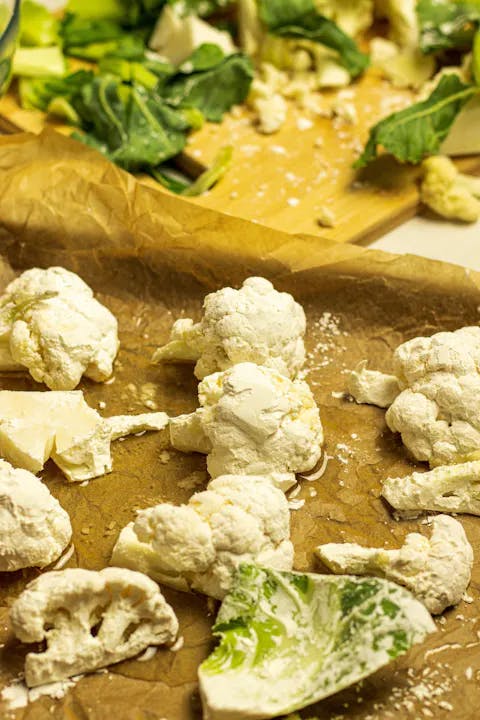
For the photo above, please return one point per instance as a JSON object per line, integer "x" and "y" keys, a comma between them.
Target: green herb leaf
{"x": 419, "y": 130}
{"x": 213, "y": 91}
{"x": 301, "y": 20}
{"x": 288, "y": 639}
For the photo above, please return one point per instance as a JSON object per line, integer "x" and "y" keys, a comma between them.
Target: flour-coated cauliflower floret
{"x": 34, "y": 528}
{"x": 438, "y": 412}
{"x": 436, "y": 570}
{"x": 254, "y": 324}
{"x": 198, "y": 546}
{"x": 89, "y": 620}
{"x": 254, "y": 421}
{"x": 51, "y": 324}
{"x": 448, "y": 192}
{"x": 449, "y": 488}
{"x": 402, "y": 19}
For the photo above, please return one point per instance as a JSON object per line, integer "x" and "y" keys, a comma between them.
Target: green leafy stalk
{"x": 287, "y": 640}
{"x": 180, "y": 184}
{"x": 38, "y": 27}
{"x": 39, "y": 62}
{"x": 301, "y": 20}
{"x": 419, "y": 130}
{"x": 446, "y": 25}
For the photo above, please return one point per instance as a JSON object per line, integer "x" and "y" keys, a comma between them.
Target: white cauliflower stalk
{"x": 450, "y": 488}
{"x": 253, "y": 421}
{"x": 198, "y": 546}
{"x": 35, "y": 426}
{"x": 436, "y": 570}
{"x": 34, "y": 528}
{"x": 51, "y": 324}
{"x": 437, "y": 411}
{"x": 448, "y": 192}
{"x": 89, "y": 620}
{"x": 254, "y": 324}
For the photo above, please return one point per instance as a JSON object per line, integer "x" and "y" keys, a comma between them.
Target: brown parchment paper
{"x": 151, "y": 258}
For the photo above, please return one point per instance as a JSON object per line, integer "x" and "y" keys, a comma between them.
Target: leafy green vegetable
{"x": 419, "y": 130}
{"x": 133, "y": 127}
{"x": 38, "y": 93}
{"x": 178, "y": 183}
{"x": 301, "y": 20}
{"x": 202, "y": 8}
{"x": 38, "y": 27}
{"x": 288, "y": 639}
{"x": 130, "y": 13}
{"x": 61, "y": 108}
{"x": 39, "y": 62}
{"x": 213, "y": 91}
{"x": 445, "y": 24}
{"x": 129, "y": 72}
{"x": 94, "y": 39}
{"x": 204, "y": 57}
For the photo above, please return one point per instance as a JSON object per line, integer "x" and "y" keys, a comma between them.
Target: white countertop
{"x": 452, "y": 242}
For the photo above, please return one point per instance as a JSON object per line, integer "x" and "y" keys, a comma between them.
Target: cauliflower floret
{"x": 51, "y": 324}
{"x": 402, "y": 18}
{"x": 450, "y": 488}
{"x": 35, "y": 426}
{"x": 253, "y": 324}
{"x": 437, "y": 411}
{"x": 199, "y": 546}
{"x": 448, "y": 192}
{"x": 352, "y": 16}
{"x": 372, "y": 387}
{"x": 34, "y": 528}
{"x": 253, "y": 421}
{"x": 436, "y": 570}
{"x": 89, "y": 619}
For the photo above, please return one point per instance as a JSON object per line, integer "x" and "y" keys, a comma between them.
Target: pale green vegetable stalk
{"x": 288, "y": 640}
{"x": 39, "y": 62}
{"x": 215, "y": 172}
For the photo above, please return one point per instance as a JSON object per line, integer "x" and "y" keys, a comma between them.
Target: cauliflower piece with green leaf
{"x": 51, "y": 324}
{"x": 436, "y": 570}
{"x": 448, "y": 192}
{"x": 253, "y": 421}
{"x": 437, "y": 408}
{"x": 88, "y": 620}
{"x": 253, "y": 324}
{"x": 34, "y": 528}
{"x": 198, "y": 546}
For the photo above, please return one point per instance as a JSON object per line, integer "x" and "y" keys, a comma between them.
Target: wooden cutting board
{"x": 291, "y": 179}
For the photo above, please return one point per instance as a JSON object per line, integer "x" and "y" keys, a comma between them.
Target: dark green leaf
{"x": 204, "y": 57}
{"x": 214, "y": 91}
{"x": 419, "y": 130}
{"x": 301, "y": 20}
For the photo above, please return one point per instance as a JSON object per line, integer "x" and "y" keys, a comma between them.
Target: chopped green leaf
{"x": 38, "y": 93}
{"x": 419, "y": 130}
{"x": 445, "y": 24}
{"x": 204, "y": 57}
{"x": 133, "y": 127}
{"x": 214, "y": 91}
{"x": 38, "y": 27}
{"x": 61, "y": 108}
{"x": 93, "y": 39}
{"x": 287, "y": 640}
{"x": 301, "y": 20}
